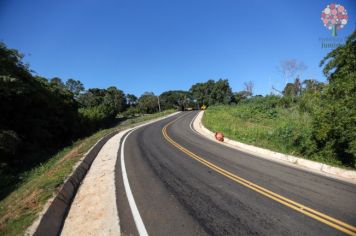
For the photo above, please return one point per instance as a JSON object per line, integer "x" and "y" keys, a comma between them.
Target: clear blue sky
{"x": 156, "y": 46}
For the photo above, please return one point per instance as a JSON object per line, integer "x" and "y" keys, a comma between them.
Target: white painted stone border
{"x": 297, "y": 162}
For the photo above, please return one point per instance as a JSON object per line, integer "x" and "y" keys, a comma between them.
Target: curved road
{"x": 185, "y": 184}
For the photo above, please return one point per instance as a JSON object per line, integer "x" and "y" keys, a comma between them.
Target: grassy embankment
{"x": 268, "y": 125}
{"x": 20, "y": 208}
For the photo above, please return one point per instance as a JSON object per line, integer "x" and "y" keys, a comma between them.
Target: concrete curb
{"x": 50, "y": 221}
{"x": 316, "y": 167}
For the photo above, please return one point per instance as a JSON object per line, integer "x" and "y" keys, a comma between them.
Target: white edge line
{"x": 136, "y": 214}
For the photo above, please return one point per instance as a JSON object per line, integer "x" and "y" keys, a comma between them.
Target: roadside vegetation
{"x": 310, "y": 119}
{"x": 266, "y": 122}
{"x": 41, "y": 116}
{"x": 21, "y": 207}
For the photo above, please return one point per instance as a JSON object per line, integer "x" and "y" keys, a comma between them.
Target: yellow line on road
{"x": 335, "y": 223}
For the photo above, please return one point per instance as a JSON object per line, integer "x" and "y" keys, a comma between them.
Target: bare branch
{"x": 289, "y": 68}
{"x": 249, "y": 87}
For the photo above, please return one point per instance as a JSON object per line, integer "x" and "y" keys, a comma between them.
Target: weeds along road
{"x": 172, "y": 181}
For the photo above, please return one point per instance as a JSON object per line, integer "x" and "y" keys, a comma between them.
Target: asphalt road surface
{"x": 185, "y": 184}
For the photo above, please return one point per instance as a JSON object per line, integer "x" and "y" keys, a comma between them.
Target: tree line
{"x": 39, "y": 115}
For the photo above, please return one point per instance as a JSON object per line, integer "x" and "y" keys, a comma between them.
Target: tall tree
{"x": 131, "y": 99}
{"x": 148, "y": 103}
{"x": 335, "y": 121}
{"x": 115, "y": 99}
{"x": 57, "y": 82}
{"x": 211, "y": 92}
{"x": 289, "y": 90}
{"x": 293, "y": 89}
{"x": 91, "y": 98}
{"x": 177, "y": 99}
{"x": 75, "y": 86}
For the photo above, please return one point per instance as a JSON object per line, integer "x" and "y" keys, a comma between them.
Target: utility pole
{"x": 159, "y": 104}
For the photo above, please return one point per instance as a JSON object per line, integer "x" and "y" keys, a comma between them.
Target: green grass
{"x": 280, "y": 129}
{"x": 21, "y": 207}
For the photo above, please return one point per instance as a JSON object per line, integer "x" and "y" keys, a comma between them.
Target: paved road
{"x": 224, "y": 192}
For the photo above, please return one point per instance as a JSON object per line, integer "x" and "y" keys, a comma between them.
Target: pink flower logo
{"x": 334, "y": 17}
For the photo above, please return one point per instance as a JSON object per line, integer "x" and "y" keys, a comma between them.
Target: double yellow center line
{"x": 335, "y": 223}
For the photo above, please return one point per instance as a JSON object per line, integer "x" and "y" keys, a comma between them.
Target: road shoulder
{"x": 94, "y": 209}
{"x": 51, "y": 219}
